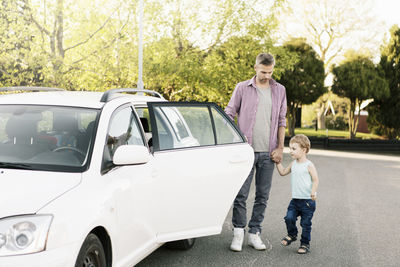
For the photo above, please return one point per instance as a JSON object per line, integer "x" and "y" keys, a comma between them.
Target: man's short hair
{"x": 265, "y": 59}
{"x": 302, "y": 140}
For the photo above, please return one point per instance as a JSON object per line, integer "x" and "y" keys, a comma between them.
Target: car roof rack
{"x": 29, "y": 89}
{"x": 108, "y": 94}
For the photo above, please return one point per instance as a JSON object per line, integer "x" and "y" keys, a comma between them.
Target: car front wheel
{"x": 91, "y": 253}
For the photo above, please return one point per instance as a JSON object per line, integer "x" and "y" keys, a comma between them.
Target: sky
{"x": 388, "y": 11}
{"x": 384, "y": 12}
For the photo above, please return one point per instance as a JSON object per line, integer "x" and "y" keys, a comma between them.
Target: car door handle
{"x": 237, "y": 159}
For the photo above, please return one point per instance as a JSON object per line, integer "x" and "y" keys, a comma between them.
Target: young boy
{"x": 304, "y": 180}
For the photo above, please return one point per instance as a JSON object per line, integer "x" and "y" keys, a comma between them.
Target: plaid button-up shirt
{"x": 244, "y": 102}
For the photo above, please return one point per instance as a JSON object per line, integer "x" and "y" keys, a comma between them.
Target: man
{"x": 260, "y": 104}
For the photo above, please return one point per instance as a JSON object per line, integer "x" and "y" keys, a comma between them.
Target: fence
{"x": 368, "y": 145}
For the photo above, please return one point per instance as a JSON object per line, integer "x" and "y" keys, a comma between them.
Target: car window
{"x": 163, "y": 126}
{"x": 143, "y": 113}
{"x": 225, "y": 131}
{"x": 198, "y": 122}
{"x": 175, "y": 121}
{"x": 46, "y": 137}
{"x": 123, "y": 130}
{"x": 182, "y": 125}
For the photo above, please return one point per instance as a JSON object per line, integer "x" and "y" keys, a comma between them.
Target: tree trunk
{"x": 356, "y": 119}
{"x": 292, "y": 123}
{"x": 292, "y": 119}
{"x": 351, "y": 120}
{"x": 58, "y": 45}
{"x": 60, "y": 28}
{"x": 321, "y": 118}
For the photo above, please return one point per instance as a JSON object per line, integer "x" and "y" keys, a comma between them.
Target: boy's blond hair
{"x": 302, "y": 140}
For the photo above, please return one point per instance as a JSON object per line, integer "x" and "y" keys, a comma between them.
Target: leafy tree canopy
{"x": 384, "y": 111}
{"x": 358, "y": 79}
{"x": 305, "y": 81}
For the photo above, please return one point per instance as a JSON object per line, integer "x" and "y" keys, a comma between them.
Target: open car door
{"x": 201, "y": 160}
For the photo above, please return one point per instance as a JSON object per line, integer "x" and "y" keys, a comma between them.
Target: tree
{"x": 331, "y": 27}
{"x": 305, "y": 81}
{"x": 174, "y": 71}
{"x": 19, "y": 65}
{"x": 234, "y": 61}
{"x": 198, "y": 50}
{"x": 384, "y": 111}
{"x": 109, "y": 57}
{"x": 93, "y": 44}
{"x": 358, "y": 79}
{"x": 68, "y": 37}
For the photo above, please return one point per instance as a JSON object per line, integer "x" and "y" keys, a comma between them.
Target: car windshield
{"x": 51, "y": 138}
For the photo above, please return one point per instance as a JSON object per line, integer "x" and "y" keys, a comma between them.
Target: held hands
{"x": 277, "y": 155}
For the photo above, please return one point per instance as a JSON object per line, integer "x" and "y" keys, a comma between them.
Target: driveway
{"x": 357, "y": 221}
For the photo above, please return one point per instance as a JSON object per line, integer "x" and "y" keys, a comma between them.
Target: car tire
{"x": 91, "y": 253}
{"x": 184, "y": 244}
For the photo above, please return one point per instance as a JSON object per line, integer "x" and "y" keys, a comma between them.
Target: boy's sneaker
{"x": 256, "y": 242}
{"x": 237, "y": 241}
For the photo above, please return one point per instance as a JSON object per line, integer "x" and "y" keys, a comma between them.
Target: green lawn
{"x": 332, "y": 133}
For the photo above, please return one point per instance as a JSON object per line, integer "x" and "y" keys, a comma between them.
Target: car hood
{"x": 26, "y": 191}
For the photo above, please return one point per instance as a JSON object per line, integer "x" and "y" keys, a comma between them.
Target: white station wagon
{"x": 104, "y": 179}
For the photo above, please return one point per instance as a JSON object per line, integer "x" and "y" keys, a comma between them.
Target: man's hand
{"x": 277, "y": 155}
{"x": 314, "y": 196}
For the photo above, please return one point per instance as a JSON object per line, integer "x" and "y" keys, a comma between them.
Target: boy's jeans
{"x": 264, "y": 168}
{"x": 305, "y": 209}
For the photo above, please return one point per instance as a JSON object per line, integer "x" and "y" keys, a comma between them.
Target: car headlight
{"x": 24, "y": 234}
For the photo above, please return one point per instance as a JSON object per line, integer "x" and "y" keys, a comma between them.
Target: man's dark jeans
{"x": 305, "y": 209}
{"x": 264, "y": 168}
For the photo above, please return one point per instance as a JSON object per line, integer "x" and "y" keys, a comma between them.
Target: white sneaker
{"x": 237, "y": 241}
{"x": 256, "y": 242}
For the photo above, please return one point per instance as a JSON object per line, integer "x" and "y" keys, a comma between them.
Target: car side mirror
{"x": 131, "y": 154}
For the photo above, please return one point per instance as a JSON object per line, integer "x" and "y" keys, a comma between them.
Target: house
{"x": 362, "y": 123}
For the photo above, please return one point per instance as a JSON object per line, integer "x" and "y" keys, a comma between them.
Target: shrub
{"x": 336, "y": 123}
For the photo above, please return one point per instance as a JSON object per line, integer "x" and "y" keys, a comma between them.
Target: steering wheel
{"x": 83, "y": 154}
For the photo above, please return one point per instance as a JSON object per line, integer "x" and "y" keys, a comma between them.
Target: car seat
{"x": 147, "y": 133}
{"x": 83, "y": 139}
{"x": 66, "y": 130}
{"x": 21, "y": 129}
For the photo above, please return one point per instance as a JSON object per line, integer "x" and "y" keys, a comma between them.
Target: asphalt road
{"x": 356, "y": 223}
